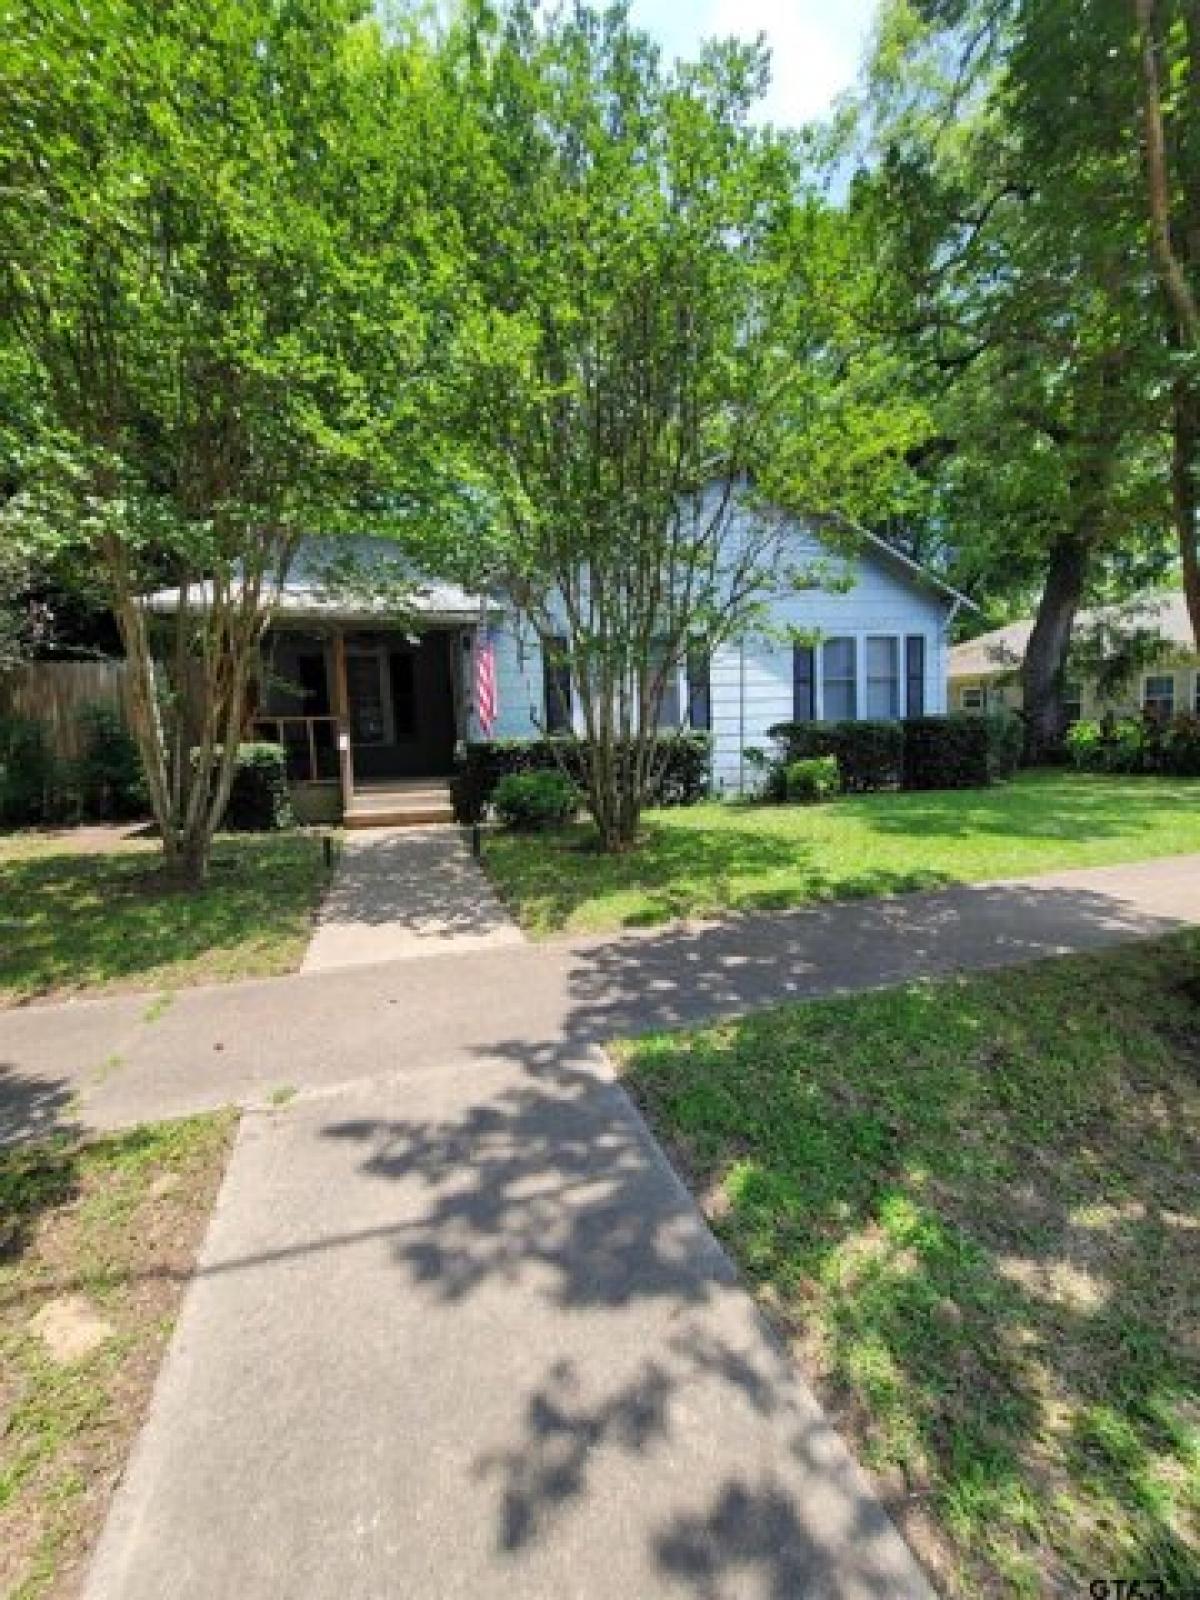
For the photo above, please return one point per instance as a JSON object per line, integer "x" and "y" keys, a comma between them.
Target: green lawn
{"x": 74, "y": 918}
{"x": 106, "y": 1232}
{"x": 972, "y": 1208}
{"x": 706, "y": 859}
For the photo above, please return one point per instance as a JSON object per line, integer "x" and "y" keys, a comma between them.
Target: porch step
{"x": 399, "y": 805}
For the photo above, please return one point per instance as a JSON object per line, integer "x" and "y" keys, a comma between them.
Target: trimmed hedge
{"x": 31, "y": 789}
{"x": 109, "y": 772}
{"x": 870, "y": 755}
{"x": 685, "y": 777}
{"x": 1169, "y": 746}
{"x": 959, "y": 751}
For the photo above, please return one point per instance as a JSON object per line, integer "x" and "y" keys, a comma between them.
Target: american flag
{"x": 485, "y": 680}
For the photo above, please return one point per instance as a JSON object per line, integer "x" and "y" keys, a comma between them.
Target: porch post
{"x": 341, "y": 710}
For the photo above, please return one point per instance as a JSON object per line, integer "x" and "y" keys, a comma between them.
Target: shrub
{"x": 259, "y": 801}
{"x": 812, "y": 778}
{"x": 108, "y": 773}
{"x": 1006, "y": 742}
{"x": 1166, "y": 745}
{"x": 869, "y": 755}
{"x": 29, "y": 775}
{"x": 685, "y": 761}
{"x": 951, "y": 752}
{"x": 535, "y": 799}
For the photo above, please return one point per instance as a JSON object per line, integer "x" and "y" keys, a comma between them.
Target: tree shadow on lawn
{"x": 991, "y": 1263}
{"x": 83, "y": 919}
{"x": 687, "y": 871}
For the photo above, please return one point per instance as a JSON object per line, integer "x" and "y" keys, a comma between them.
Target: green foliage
{"x": 259, "y": 800}
{"x": 1005, "y": 744}
{"x": 660, "y": 313}
{"x": 683, "y": 772}
{"x": 869, "y": 754}
{"x": 108, "y": 773}
{"x": 535, "y": 799}
{"x": 811, "y": 778}
{"x": 949, "y": 752}
{"x": 28, "y": 774}
{"x": 1166, "y": 745}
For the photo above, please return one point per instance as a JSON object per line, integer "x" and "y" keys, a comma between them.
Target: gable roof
{"x": 1004, "y": 648}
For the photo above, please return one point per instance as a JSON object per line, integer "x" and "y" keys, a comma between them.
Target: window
{"x": 804, "y": 683}
{"x": 971, "y": 699}
{"x": 1196, "y": 696}
{"x": 914, "y": 675}
{"x": 668, "y": 705}
{"x": 556, "y": 685}
{"x": 699, "y": 689}
{"x": 369, "y": 719}
{"x": 883, "y": 678}
{"x": 1158, "y": 694}
{"x": 839, "y": 672}
{"x": 1072, "y": 703}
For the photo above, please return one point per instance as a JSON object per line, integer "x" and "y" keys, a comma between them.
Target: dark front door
{"x": 401, "y": 706}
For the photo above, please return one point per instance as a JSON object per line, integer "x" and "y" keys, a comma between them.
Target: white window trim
{"x": 1146, "y": 677}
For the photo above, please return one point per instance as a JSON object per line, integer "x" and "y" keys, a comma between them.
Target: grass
{"x": 117, "y": 1222}
{"x": 73, "y": 919}
{"x": 712, "y": 858}
{"x": 972, "y": 1208}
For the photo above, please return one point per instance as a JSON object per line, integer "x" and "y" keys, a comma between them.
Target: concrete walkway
{"x": 465, "y": 1335}
{"x": 110, "y": 1062}
{"x": 457, "y": 1329}
{"x": 401, "y": 893}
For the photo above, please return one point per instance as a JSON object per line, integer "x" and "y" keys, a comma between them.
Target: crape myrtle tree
{"x": 648, "y": 361}
{"x": 209, "y": 243}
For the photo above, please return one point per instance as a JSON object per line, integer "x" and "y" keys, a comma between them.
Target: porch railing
{"x": 310, "y": 745}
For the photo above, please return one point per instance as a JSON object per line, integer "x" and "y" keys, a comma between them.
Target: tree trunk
{"x": 1185, "y": 491}
{"x": 1046, "y": 654}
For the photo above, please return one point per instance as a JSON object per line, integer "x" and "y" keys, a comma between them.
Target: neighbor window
{"x": 971, "y": 699}
{"x": 1196, "y": 696}
{"x": 883, "y": 678}
{"x": 839, "y": 680}
{"x": 1158, "y": 694}
{"x": 804, "y": 683}
{"x": 699, "y": 689}
{"x": 914, "y": 675}
{"x": 556, "y": 684}
{"x": 1072, "y": 703}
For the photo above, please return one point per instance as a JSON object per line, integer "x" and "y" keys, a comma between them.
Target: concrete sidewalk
{"x": 110, "y": 1062}
{"x": 467, "y": 1336}
{"x": 403, "y": 893}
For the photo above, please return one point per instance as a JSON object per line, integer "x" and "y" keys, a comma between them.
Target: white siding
{"x": 752, "y": 679}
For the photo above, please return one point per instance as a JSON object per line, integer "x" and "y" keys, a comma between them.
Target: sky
{"x": 816, "y": 45}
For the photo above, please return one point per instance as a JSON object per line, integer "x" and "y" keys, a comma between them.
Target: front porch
{"x": 368, "y": 718}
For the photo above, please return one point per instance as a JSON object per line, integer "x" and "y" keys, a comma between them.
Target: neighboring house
{"x": 985, "y": 672}
{"x": 397, "y": 696}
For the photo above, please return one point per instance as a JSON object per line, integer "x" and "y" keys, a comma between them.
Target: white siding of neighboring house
{"x": 751, "y": 680}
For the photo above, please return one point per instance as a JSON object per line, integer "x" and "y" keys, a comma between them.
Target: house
{"x": 985, "y": 672}
{"x": 371, "y": 699}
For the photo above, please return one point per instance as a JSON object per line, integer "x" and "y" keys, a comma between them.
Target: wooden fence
{"x": 55, "y": 692}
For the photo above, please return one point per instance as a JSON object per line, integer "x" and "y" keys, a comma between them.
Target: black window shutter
{"x": 556, "y": 686}
{"x": 914, "y": 673}
{"x": 804, "y": 699}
